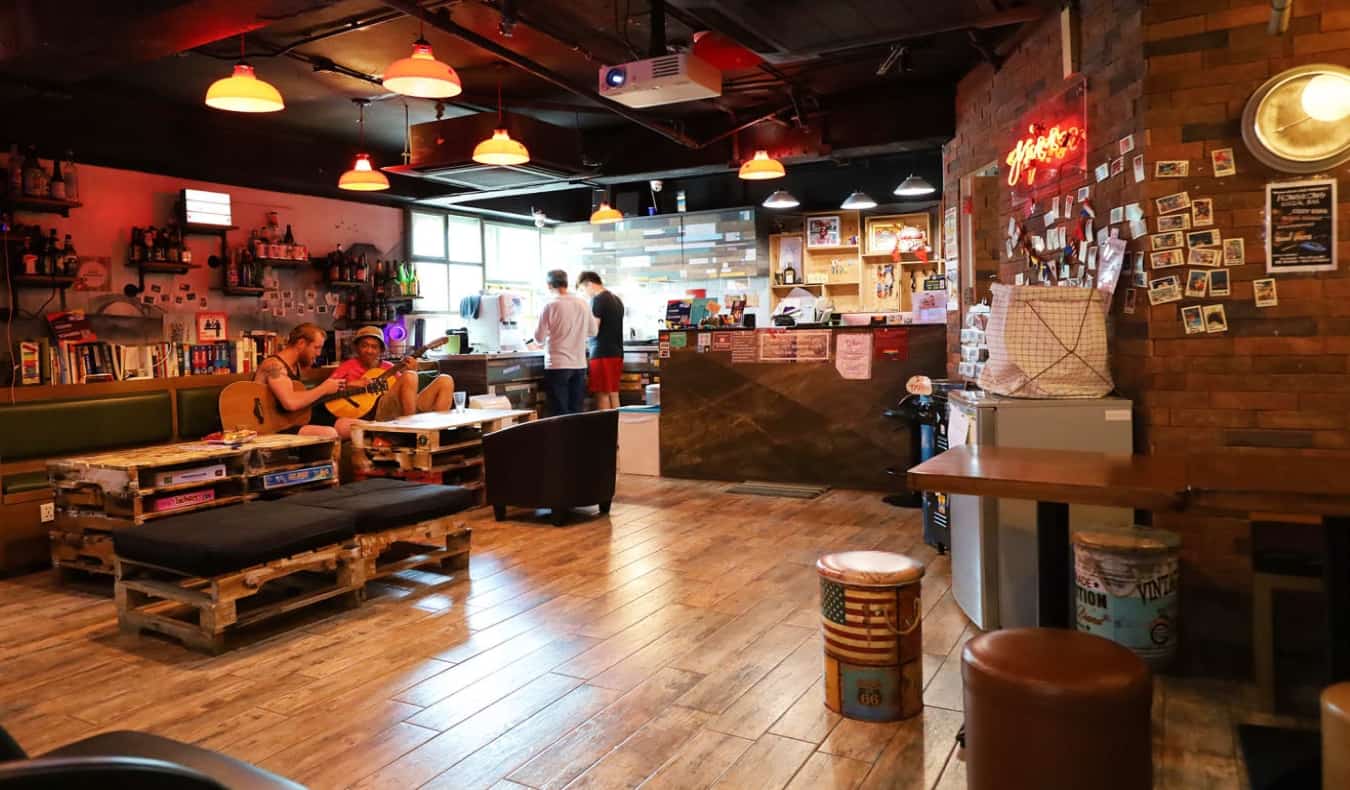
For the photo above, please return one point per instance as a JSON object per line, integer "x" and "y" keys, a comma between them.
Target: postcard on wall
{"x": 1215, "y": 320}
{"x": 1129, "y": 301}
{"x": 1117, "y": 166}
{"x": 211, "y": 326}
{"x": 1218, "y": 282}
{"x": 1138, "y": 229}
{"x": 1117, "y": 215}
{"x": 1301, "y": 234}
{"x": 1084, "y": 193}
{"x": 1102, "y": 171}
{"x": 1205, "y": 238}
{"x": 1169, "y": 203}
{"x": 823, "y": 231}
{"x": 1174, "y": 222}
{"x": 853, "y": 355}
{"x": 1171, "y": 168}
{"x": 1164, "y": 241}
{"x": 1265, "y": 293}
{"x": 1068, "y": 205}
{"x": 1224, "y": 164}
{"x": 1140, "y": 280}
{"x": 1139, "y": 172}
{"x": 1126, "y": 144}
{"x": 1164, "y": 290}
{"x": 1196, "y": 283}
{"x": 1193, "y": 319}
{"x": 1133, "y": 212}
{"x": 1209, "y": 257}
{"x": 1203, "y": 211}
{"x": 1166, "y": 259}
{"x": 1234, "y": 252}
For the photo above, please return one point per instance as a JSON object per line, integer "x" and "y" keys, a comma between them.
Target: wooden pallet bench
{"x": 440, "y": 541}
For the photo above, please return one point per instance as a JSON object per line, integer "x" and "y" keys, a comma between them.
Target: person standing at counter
{"x": 564, "y": 326}
{"x": 606, "y": 365}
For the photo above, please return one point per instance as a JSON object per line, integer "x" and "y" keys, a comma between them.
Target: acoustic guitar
{"x": 251, "y": 405}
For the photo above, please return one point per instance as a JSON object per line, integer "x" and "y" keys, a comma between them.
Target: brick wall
{"x": 1177, "y": 73}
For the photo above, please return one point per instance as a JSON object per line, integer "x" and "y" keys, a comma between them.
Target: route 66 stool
{"x": 1050, "y": 708}
{"x": 871, "y": 619}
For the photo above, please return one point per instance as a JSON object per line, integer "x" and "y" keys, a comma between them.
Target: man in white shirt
{"x": 564, "y": 326}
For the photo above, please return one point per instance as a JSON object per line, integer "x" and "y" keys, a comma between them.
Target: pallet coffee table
{"x": 97, "y": 494}
{"x": 432, "y": 447}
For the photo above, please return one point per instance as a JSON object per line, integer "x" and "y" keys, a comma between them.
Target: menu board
{"x": 794, "y": 345}
{"x": 1301, "y": 226}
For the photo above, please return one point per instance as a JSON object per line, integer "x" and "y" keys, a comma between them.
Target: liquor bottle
{"x": 51, "y": 263}
{"x": 255, "y": 273}
{"x": 289, "y": 238}
{"x": 57, "y": 188}
{"x": 334, "y": 267}
{"x": 232, "y": 270}
{"x": 33, "y": 174}
{"x": 362, "y": 271}
{"x": 69, "y": 261}
{"x": 15, "y": 171}
{"x": 72, "y": 178}
{"x": 377, "y": 278}
{"x": 351, "y": 307}
{"x": 29, "y": 255}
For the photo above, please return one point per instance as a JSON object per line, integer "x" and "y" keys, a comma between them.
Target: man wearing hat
{"x": 402, "y": 398}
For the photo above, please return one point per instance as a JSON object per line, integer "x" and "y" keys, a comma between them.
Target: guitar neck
{"x": 346, "y": 393}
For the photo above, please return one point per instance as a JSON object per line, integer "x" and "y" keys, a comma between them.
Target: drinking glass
{"x": 460, "y": 398}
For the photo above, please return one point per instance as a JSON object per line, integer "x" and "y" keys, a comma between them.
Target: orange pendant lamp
{"x": 421, "y": 75}
{"x": 242, "y": 91}
{"x": 500, "y": 149}
{"x": 363, "y": 177}
{"x": 762, "y": 167}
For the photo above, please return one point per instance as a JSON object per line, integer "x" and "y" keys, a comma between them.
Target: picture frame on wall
{"x": 912, "y": 232}
{"x": 823, "y": 231}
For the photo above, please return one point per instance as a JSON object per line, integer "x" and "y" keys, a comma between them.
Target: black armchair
{"x": 556, "y": 463}
{"x": 129, "y": 760}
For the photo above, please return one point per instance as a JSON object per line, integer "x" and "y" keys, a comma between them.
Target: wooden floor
{"x": 673, "y": 644}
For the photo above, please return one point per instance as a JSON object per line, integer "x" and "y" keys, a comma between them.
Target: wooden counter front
{"x": 790, "y": 422}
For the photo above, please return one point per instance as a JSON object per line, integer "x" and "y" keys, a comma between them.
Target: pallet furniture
{"x": 438, "y": 447}
{"x": 201, "y": 576}
{"x": 99, "y": 494}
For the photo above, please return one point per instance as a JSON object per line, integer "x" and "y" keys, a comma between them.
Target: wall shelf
{"x": 41, "y": 205}
{"x": 243, "y": 291}
{"x": 42, "y": 280}
{"x": 282, "y": 262}
{"x": 207, "y": 230}
{"x": 344, "y": 284}
{"x": 162, "y": 267}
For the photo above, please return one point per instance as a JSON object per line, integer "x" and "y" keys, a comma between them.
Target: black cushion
{"x": 382, "y": 503}
{"x": 228, "y": 771}
{"x": 211, "y": 542}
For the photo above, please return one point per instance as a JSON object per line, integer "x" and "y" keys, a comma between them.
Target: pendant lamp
{"x": 500, "y": 149}
{"x": 421, "y": 75}
{"x": 781, "y": 199}
{"x": 858, "y": 200}
{"x": 242, "y": 91}
{"x": 363, "y": 177}
{"x": 762, "y": 167}
{"x": 605, "y": 215}
{"x": 914, "y": 185}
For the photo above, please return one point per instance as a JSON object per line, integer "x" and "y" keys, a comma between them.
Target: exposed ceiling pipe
{"x": 442, "y": 22}
{"x": 1280, "y": 11}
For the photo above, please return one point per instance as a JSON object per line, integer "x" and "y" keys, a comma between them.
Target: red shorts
{"x": 604, "y": 374}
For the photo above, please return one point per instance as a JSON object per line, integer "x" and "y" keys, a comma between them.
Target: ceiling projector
{"x": 665, "y": 80}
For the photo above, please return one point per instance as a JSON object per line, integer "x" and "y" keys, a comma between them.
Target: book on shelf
{"x": 91, "y": 361}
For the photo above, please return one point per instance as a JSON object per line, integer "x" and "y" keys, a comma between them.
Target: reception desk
{"x": 757, "y": 405}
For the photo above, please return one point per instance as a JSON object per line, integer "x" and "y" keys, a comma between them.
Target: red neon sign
{"x": 1041, "y": 147}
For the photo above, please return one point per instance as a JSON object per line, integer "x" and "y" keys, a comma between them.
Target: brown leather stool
{"x": 1336, "y": 736}
{"x": 1049, "y": 708}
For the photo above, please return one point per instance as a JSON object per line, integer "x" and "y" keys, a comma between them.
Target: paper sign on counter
{"x": 853, "y": 355}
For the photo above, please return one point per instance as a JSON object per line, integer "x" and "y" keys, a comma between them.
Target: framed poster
{"x": 822, "y": 231}
{"x": 211, "y": 327}
{"x": 1301, "y": 226}
{"x": 911, "y": 232}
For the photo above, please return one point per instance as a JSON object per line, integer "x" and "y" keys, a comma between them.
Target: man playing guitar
{"x": 402, "y": 398}
{"x": 278, "y": 371}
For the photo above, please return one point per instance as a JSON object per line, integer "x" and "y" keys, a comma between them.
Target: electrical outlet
{"x": 48, "y": 511}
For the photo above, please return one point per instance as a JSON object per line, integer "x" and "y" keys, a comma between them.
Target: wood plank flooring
{"x": 672, "y": 644}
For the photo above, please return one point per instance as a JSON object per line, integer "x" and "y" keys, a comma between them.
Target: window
{"x": 433, "y": 278}
{"x": 428, "y": 236}
{"x": 465, "y": 280}
{"x": 512, "y": 254}
{"x": 465, "y": 235}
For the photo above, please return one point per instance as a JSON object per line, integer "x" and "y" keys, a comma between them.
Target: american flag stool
{"x": 872, "y": 622}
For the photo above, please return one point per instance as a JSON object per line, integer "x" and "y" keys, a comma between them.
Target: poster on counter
{"x": 679, "y": 339}
{"x": 794, "y": 346}
{"x": 1301, "y": 226}
{"x": 853, "y": 355}
{"x": 744, "y": 347}
{"x": 891, "y": 343}
{"x": 721, "y": 341}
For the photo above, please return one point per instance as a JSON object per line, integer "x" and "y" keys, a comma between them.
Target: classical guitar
{"x": 358, "y": 404}
{"x": 248, "y": 404}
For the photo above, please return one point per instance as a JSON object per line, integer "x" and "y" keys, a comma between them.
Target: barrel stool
{"x": 871, "y": 621}
{"x": 1336, "y": 737}
{"x": 1049, "y": 708}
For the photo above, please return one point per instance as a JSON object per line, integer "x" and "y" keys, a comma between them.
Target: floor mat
{"x": 778, "y": 489}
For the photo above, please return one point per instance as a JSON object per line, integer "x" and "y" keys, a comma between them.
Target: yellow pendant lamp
{"x": 363, "y": 177}
{"x": 762, "y": 167}
{"x": 242, "y": 91}
{"x": 500, "y": 149}
{"x": 421, "y": 75}
{"x": 605, "y": 215}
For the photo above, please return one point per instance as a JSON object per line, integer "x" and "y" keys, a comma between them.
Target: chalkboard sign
{"x": 1301, "y": 226}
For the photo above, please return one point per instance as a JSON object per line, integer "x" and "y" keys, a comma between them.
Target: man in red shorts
{"x": 606, "y": 365}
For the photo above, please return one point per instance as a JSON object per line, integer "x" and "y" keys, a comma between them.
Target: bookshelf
{"x": 45, "y": 392}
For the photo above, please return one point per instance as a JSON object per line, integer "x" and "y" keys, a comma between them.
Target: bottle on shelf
{"x": 57, "y": 188}
{"x": 136, "y": 252}
{"x": 232, "y": 270}
{"x": 15, "y": 171}
{"x": 334, "y": 267}
{"x": 34, "y": 177}
{"x": 69, "y": 260}
{"x": 361, "y": 270}
{"x": 51, "y": 263}
{"x": 289, "y": 238}
{"x": 72, "y": 177}
{"x": 29, "y": 255}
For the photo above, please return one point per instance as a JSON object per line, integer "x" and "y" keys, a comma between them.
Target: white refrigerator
{"x": 993, "y": 541}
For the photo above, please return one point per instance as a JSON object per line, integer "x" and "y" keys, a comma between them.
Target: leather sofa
{"x": 132, "y": 759}
{"x": 557, "y": 463}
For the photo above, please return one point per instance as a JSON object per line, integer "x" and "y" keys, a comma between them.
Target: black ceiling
{"x": 123, "y": 82}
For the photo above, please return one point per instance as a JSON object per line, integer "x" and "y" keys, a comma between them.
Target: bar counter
{"x": 724, "y": 417}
